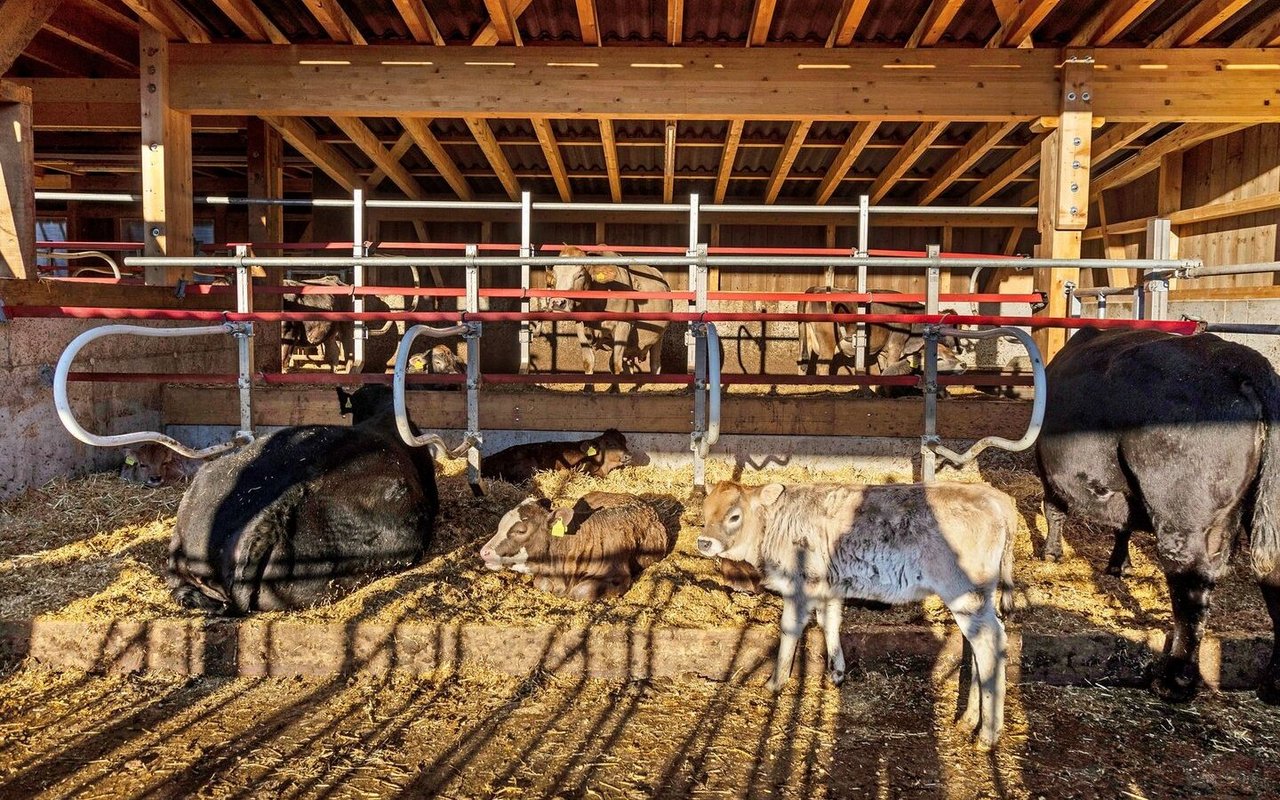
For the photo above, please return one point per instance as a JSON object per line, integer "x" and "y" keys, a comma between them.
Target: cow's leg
{"x": 1119, "y": 563}
{"x": 795, "y": 616}
{"x": 985, "y": 633}
{"x": 621, "y": 336}
{"x": 1055, "y": 517}
{"x": 830, "y": 614}
{"x": 1190, "y": 591}
{"x": 1269, "y": 688}
{"x": 588, "y": 350}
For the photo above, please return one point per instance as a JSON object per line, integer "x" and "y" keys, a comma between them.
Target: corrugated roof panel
{"x": 550, "y": 21}
{"x": 293, "y": 19}
{"x": 458, "y": 20}
{"x": 580, "y": 158}
{"x": 632, "y": 21}
{"x": 803, "y": 21}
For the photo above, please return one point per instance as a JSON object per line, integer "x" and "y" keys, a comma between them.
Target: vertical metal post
{"x": 1074, "y": 308}
{"x": 1159, "y": 245}
{"x": 473, "y": 371}
{"x": 359, "y": 331}
{"x": 694, "y": 267}
{"x": 526, "y": 251}
{"x": 929, "y": 384}
{"x": 699, "y": 332}
{"x": 864, "y": 250}
{"x": 1101, "y": 312}
{"x": 244, "y": 344}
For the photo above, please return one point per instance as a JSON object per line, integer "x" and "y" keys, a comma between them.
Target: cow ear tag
{"x": 130, "y": 461}
{"x": 601, "y": 275}
{"x": 558, "y": 528}
{"x": 591, "y": 451}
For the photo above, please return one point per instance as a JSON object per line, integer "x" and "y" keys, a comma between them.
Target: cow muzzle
{"x": 561, "y": 304}
{"x": 710, "y": 547}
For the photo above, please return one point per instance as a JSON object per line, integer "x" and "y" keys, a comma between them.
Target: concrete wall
{"x": 34, "y": 446}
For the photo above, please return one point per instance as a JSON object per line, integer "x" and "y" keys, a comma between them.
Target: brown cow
{"x": 628, "y": 341}
{"x": 889, "y": 346}
{"x": 326, "y": 336}
{"x": 152, "y": 464}
{"x": 597, "y": 457}
{"x": 584, "y": 556}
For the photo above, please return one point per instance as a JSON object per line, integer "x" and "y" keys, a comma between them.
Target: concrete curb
{"x": 288, "y": 648}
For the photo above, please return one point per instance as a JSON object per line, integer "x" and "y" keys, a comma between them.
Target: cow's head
{"x": 440, "y": 360}
{"x": 525, "y": 524}
{"x": 151, "y": 465}
{"x": 364, "y": 403}
{"x": 578, "y": 276}
{"x": 605, "y": 453}
{"x": 733, "y": 520}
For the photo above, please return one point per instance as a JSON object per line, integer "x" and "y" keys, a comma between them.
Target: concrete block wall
{"x": 34, "y": 446}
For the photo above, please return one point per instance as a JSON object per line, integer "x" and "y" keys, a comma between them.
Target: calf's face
{"x": 568, "y": 277}
{"x": 518, "y": 528}
{"x": 151, "y": 465}
{"x": 733, "y": 520}
{"x": 607, "y": 452}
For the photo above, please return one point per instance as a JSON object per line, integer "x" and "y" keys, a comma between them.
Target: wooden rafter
{"x": 964, "y": 158}
{"x": 761, "y": 21}
{"x": 335, "y": 21}
{"x": 419, "y": 22}
{"x": 81, "y": 27}
{"x": 170, "y": 19}
{"x": 846, "y": 25}
{"x": 1265, "y": 34}
{"x": 1203, "y": 19}
{"x": 844, "y": 160}
{"x": 397, "y": 151}
{"x": 1118, "y": 136}
{"x": 1020, "y": 21}
{"x": 493, "y": 152}
{"x": 488, "y": 35}
{"x": 727, "y": 158}
{"x": 934, "y": 23}
{"x": 669, "y": 161}
{"x": 1179, "y": 139}
{"x": 551, "y": 151}
{"x": 328, "y": 158}
{"x": 610, "y": 146}
{"x": 504, "y": 22}
{"x": 675, "y": 21}
{"x": 1110, "y": 21}
{"x": 368, "y": 143}
{"x": 420, "y": 130}
{"x": 249, "y": 18}
{"x": 782, "y": 167}
{"x": 1005, "y": 174}
{"x": 588, "y": 22}
{"x": 908, "y": 155}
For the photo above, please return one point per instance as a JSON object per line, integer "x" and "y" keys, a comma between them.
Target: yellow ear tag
{"x": 600, "y": 275}
{"x": 591, "y": 451}
{"x": 130, "y": 460}
{"x": 557, "y": 528}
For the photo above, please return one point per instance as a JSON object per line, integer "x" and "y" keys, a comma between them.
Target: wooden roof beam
{"x": 335, "y": 21}
{"x": 588, "y": 22}
{"x": 727, "y": 158}
{"x": 610, "y": 146}
{"x": 170, "y": 19}
{"x": 252, "y": 22}
{"x": 934, "y": 23}
{"x": 1265, "y": 34}
{"x": 1118, "y": 136}
{"x": 397, "y": 151}
{"x": 761, "y": 22}
{"x": 782, "y": 167}
{"x": 368, "y": 143}
{"x": 488, "y": 35}
{"x": 1203, "y": 19}
{"x": 419, "y": 22}
{"x": 908, "y": 155}
{"x": 551, "y": 150}
{"x": 420, "y": 130}
{"x": 844, "y": 160}
{"x": 1110, "y": 22}
{"x": 98, "y": 33}
{"x": 964, "y": 158}
{"x": 669, "y": 162}
{"x": 1005, "y": 174}
{"x": 493, "y": 152}
{"x": 675, "y": 21}
{"x": 328, "y": 158}
{"x": 1184, "y": 137}
{"x": 504, "y": 22}
{"x": 1020, "y": 21}
{"x": 847, "y": 22}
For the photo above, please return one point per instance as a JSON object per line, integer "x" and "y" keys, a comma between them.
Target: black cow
{"x": 304, "y": 514}
{"x": 1176, "y": 435}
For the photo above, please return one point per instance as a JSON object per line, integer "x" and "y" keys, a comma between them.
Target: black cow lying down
{"x": 597, "y": 457}
{"x": 1176, "y": 435}
{"x": 304, "y": 514}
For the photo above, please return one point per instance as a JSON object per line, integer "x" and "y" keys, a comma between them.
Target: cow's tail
{"x": 1265, "y": 528}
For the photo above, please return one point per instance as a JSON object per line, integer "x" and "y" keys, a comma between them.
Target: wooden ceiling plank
{"x": 368, "y": 143}
{"x": 1118, "y": 136}
{"x": 1005, "y": 174}
{"x": 493, "y": 152}
{"x": 727, "y": 158}
{"x": 170, "y": 19}
{"x": 963, "y": 159}
{"x": 252, "y": 22}
{"x": 908, "y": 155}
{"x": 420, "y": 130}
{"x": 551, "y": 151}
{"x": 1019, "y": 22}
{"x": 844, "y": 160}
{"x": 761, "y": 22}
{"x": 610, "y": 145}
{"x": 504, "y": 22}
{"x": 328, "y": 158}
{"x": 1198, "y": 22}
{"x": 782, "y": 167}
{"x": 847, "y": 23}
{"x": 418, "y": 20}
{"x": 934, "y": 23}
{"x": 588, "y": 22}
{"x": 101, "y": 33}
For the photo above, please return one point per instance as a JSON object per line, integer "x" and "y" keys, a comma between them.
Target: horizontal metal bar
{"x": 443, "y": 205}
{"x": 957, "y": 211}
{"x": 1230, "y": 269}
{"x": 1106, "y": 291}
{"x": 1255, "y": 329}
{"x": 606, "y": 207}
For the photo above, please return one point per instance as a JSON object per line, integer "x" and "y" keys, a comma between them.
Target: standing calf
{"x": 817, "y": 545}
{"x": 594, "y": 550}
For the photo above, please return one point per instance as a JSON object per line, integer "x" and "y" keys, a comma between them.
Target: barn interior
{"x": 1107, "y": 130}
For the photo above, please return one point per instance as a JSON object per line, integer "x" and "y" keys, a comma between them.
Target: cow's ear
{"x": 604, "y": 273}
{"x": 590, "y": 447}
{"x": 770, "y": 493}
{"x": 560, "y": 522}
{"x": 344, "y": 401}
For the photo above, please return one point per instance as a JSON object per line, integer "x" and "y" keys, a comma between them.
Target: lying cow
{"x": 153, "y": 465}
{"x": 597, "y": 457}
{"x": 629, "y": 342}
{"x": 323, "y": 335}
{"x": 818, "y": 544}
{"x": 304, "y": 514}
{"x": 594, "y": 550}
{"x": 1176, "y": 435}
{"x": 890, "y": 346}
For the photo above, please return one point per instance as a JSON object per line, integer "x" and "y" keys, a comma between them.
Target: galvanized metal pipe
{"x": 398, "y": 381}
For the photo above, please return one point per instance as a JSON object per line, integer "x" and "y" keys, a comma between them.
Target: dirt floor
{"x": 475, "y": 734}
{"x": 94, "y": 548}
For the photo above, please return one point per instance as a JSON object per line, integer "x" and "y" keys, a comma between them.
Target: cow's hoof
{"x": 1269, "y": 691}
{"x": 986, "y": 741}
{"x": 776, "y": 685}
{"x": 968, "y": 721}
{"x": 836, "y": 676}
{"x": 1052, "y": 558}
{"x": 1122, "y": 571}
{"x": 1175, "y": 689}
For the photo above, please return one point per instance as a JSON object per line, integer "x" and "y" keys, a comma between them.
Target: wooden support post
{"x": 1064, "y": 192}
{"x": 266, "y": 224}
{"x": 1169, "y": 200}
{"x": 17, "y": 182}
{"x": 166, "y": 164}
